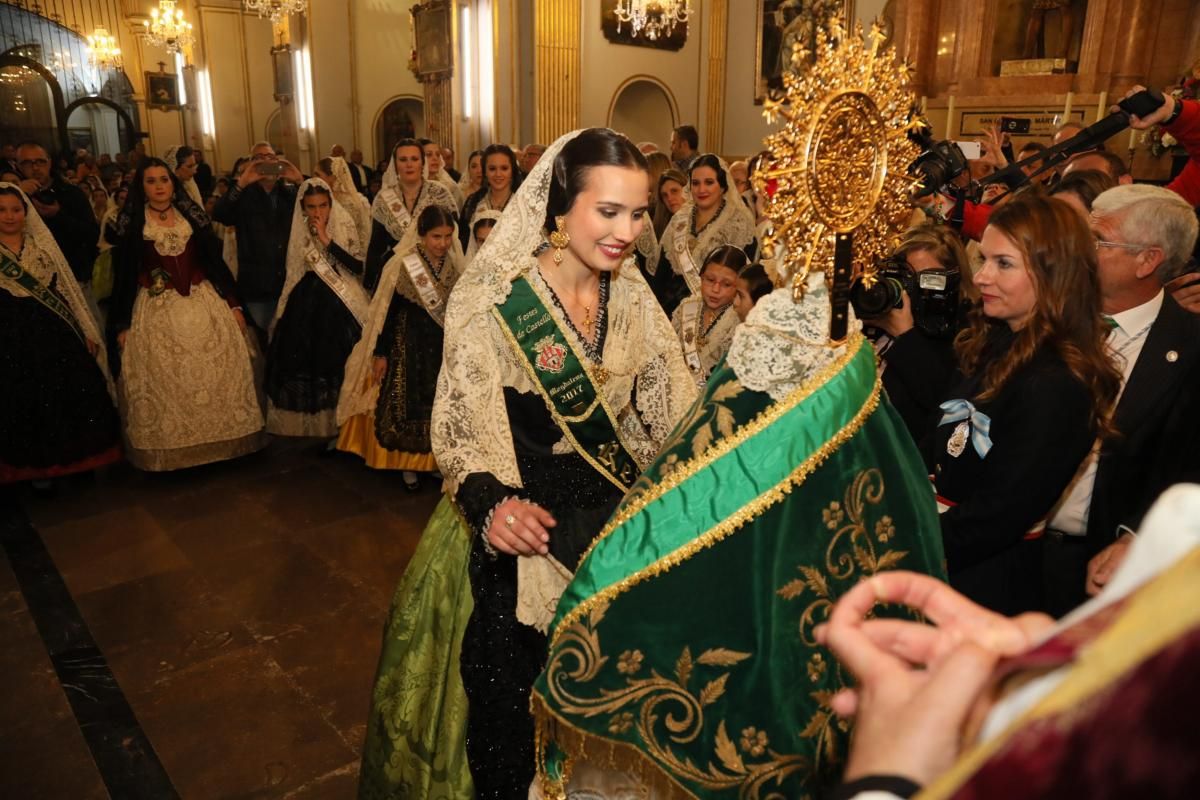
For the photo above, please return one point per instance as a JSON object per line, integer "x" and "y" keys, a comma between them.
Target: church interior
{"x": 214, "y": 631}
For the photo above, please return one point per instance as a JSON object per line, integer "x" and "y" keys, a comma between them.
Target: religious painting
{"x": 162, "y": 91}
{"x": 1037, "y": 37}
{"x": 619, "y": 32}
{"x": 782, "y": 25}
{"x": 435, "y": 50}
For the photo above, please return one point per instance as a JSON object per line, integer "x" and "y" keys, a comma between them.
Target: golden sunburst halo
{"x": 840, "y": 160}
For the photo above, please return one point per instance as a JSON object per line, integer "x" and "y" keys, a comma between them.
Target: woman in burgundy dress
{"x": 186, "y": 387}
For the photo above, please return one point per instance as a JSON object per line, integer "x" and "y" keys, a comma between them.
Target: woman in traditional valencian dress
{"x": 319, "y": 318}
{"x": 182, "y": 161}
{"x": 472, "y": 177}
{"x": 405, "y": 193}
{"x": 391, "y": 375}
{"x": 531, "y": 343}
{"x": 501, "y": 178}
{"x": 713, "y": 216}
{"x": 435, "y": 170}
{"x": 335, "y": 172}
{"x": 186, "y": 384}
{"x": 56, "y": 404}
{"x": 705, "y": 322}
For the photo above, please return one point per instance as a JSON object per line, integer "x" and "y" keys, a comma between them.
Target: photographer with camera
{"x": 65, "y": 209}
{"x": 913, "y": 312}
{"x": 260, "y": 207}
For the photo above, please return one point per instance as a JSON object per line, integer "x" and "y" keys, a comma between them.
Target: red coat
{"x": 1186, "y": 129}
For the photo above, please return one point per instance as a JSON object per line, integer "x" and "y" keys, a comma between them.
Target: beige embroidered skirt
{"x": 187, "y": 386}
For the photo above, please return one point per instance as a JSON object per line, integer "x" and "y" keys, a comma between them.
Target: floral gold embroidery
{"x": 621, "y": 722}
{"x": 849, "y": 557}
{"x": 630, "y": 662}
{"x": 754, "y": 741}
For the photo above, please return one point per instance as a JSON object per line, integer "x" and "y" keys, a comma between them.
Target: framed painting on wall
{"x": 781, "y": 25}
{"x": 162, "y": 91}
{"x": 431, "y": 26}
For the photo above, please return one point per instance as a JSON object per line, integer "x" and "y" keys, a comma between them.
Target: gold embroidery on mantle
{"x": 850, "y": 556}
{"x": 668, "y": 710}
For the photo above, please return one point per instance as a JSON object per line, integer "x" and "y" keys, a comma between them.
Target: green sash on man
{"x": 683, "y": 650}
{"x": 12, "y": 270}
{"x": 566, "y": 383}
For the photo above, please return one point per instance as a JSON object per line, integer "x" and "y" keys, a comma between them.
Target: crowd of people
{"x": 532, "y": 330}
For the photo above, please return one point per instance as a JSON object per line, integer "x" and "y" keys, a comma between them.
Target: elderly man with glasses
{"x": 1144, "y": 240}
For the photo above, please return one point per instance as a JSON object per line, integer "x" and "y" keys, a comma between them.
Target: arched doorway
{"x": 99, "y": 126}
{"x": 400, "y": 118}
{"x": 274, "y": 131}
{"x": 643, "y": 110}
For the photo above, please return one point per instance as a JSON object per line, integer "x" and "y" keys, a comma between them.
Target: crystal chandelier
{"x": 103, "y": 52}
{"x": 167, "y": 27}
{"x": 655, "y": 18}
{"x": 276, "y": 9}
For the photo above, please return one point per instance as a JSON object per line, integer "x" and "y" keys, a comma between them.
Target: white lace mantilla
{"x": 432, "y": 194}
{"x": 782, "y": 343}
{"x": 169, "y": 240}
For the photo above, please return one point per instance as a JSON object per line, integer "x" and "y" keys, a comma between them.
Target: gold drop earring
{"x": 559, "y": 240}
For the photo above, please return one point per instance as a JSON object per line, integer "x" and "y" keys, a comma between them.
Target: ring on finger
{"x": 509, "y": 519}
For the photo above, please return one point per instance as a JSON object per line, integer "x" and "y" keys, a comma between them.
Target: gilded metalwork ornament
{"x": 839, "y": 162}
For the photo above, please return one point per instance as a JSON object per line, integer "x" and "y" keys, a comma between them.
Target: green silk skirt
{"x": 416, "y": 732}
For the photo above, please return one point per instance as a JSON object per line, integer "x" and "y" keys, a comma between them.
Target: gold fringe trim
{"x": 580, "y": 745}
{"x": 755, "y": 507}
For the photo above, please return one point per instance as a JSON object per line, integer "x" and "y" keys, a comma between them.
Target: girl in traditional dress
{"x": 671, "y": 194}
{"x": 532, "y": 340}
{"x": 435, "y": 170}
{"x": 404, "y": 194}
{"x": 336, "y": 172}
{"x": 705, "y": 322}
{"x": 319, "y": 318}
{"x": 753, "y": 284}
{"x": 391, "y": 375}
{"x": 182, "y": 161}
{"x": 472, "y": 178}
{"x": 713, "y": 216}
{"x": 56, "y": 403}
{"x": 481, "y": 227}
{"x": 186, "y": 384}
{"x": 501, "y": 178}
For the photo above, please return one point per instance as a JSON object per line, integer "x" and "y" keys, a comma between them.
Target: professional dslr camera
{"x": 938, "y": 164}
{"x": 933, "y": 295}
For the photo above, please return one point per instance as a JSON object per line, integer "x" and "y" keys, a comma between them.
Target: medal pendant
{"x": 958, "y": 440}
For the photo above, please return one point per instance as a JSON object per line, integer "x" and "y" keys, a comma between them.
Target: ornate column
{"x": 718, "y": 22}
{"x": 1139, "y": 29}
{"x": 439, "y": 111}
{"x": 556, "y": 60}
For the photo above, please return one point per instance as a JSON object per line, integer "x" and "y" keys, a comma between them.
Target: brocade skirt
{"x": 187, "y": 385}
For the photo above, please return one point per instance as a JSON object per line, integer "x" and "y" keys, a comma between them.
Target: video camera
{"x": 933, "y": 296}
{"x": 940, "y": 162}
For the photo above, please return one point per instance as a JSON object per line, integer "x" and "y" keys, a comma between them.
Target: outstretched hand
{"x": 1150, "y": 120}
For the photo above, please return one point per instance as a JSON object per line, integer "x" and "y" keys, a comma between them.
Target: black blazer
{"x": 1158, "y": 425}
{"x": 361, "y": 181}
{"x": 1040, "y": 434}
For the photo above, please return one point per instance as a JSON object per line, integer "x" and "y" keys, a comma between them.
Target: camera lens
{"x": 876, "y": 301}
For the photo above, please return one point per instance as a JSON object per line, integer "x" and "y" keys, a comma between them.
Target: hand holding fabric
{"x": 1104, "y": 564}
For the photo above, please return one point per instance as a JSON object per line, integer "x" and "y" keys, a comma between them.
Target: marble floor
{"x": 239, "y": 607}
